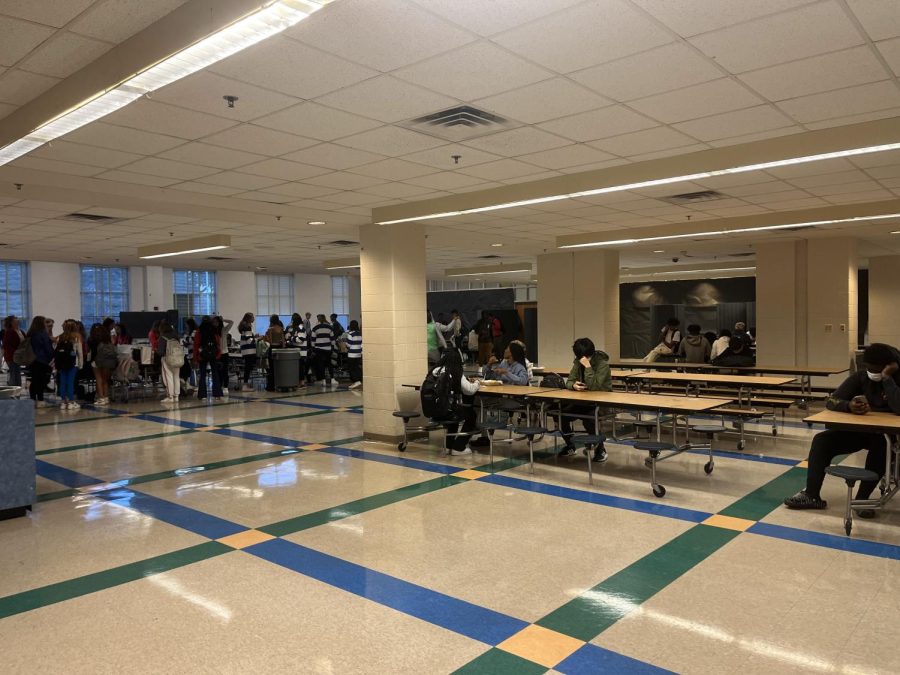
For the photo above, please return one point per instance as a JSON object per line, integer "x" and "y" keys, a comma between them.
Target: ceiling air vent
{"x": 218, "y": 258}
{"x": 91, "y": 218}
{"x": 488, "y": 257}
{"x": 459, "y": 123}
{"x": 342, "y": 242}
{"x": 694, "y": 197}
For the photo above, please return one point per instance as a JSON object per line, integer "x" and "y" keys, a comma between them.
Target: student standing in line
{"x": 720, "y": 344}
{"x": 12, "y": 338}
{"x": 104, "y": 360}
{"x": 223, "y": 328}
{"x": 43, "y": 357}
{"x": 323, "y": 337}
{"x": 694, "y": 348}
{"x": 206, "y": 357}
{"x": 671, "y": 337}
{"x": 297, "y": 338}
{"x": 512, "y": 369}
{"x": 187, "y": 341}
{"x": 437, "y": 345}
{"x": 171, "y": 358}
{"x": 248, "y": 348}
{"x": 275, "y": 338}
{"x": 484, "y": 329}
{"x": 353, "y": 339}
{"x": 590, "y": 372}
{"x": 68, "y": 358}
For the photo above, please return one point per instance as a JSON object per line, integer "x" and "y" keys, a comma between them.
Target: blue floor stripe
{"x": 300, "y": 404}
{"x": 838, "y": 542}
{"x": 184, "y": 517}
{"x": 766, "y": 459}
{"x": 260, "y": 438}
{"x": 170, "y": 421}
{"x": 592, "y": 659}
{"x": 651, "y": 508}
{"x": 66, "y": 477}
{"x": 396, "y": 461}
{"x": 459, "y": 616}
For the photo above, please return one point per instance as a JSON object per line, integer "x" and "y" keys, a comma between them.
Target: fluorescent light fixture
{"x": 496, "y": 245}
{"x": 740, "y": 230}
{"x": 341, "y": 263}
{"x": 184, "y": 247}
{"x": 271, "y": 18}
{"x": 659, "y": 181}
{"x": 659, "y": 251}
{"x": 315, "y": 222}
{"x": 637, "y": 273}
{"x": 488, "y": 269}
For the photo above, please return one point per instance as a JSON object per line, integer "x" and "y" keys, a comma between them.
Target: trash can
{"x": 286, "y": 365}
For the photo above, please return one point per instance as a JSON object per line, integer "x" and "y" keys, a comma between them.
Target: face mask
{"x": 875, "y": 377}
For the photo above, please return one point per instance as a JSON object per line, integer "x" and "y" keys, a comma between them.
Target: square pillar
{"x": 781, "y": 303}
{"x": 831, "y": 285}
{"x": 578, "y": 297}
{"x": 884, "y": 290}
{"x": 392, "y": 287}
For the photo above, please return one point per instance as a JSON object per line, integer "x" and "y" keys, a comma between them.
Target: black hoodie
{"x": 882, "y": 396}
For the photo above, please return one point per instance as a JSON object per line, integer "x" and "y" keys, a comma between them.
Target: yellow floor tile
{"x": 471, "y": 474}
{"x": 245, "y": 538}
{"x": 541, "y": 645}
{"x": 314, "y": 446}
{"x": 803, "y": 465}
{"x": 729, "y": 523}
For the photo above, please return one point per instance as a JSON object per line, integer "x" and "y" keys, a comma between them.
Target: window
{"x": 104, "y": 292}
{"x": 195, "y": 293}
{"x": 274, "y": 295}
{"x": 14, "y": 291}
{"x": 340, "y": 299}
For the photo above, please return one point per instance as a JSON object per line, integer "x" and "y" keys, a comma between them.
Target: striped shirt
{"x": 188, "y": 343}
{"x": 296, "y": 337}
{"x": 248, "y": 343}
{"x": 353, "y": 339}
{"x": 322, "y": 336}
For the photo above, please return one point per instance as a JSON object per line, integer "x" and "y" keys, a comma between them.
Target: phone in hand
{"x": 859, "y": 404}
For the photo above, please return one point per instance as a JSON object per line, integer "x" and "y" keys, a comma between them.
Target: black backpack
{"x": 208, "y": 348}
{"x": 553, "y": 381}
{"x": 438, "y": 400}
{"x": 64, "y": 355}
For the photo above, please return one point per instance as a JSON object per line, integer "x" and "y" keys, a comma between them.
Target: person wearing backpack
{"x": 68, "y": 358}
{"x": 296, "y": 338}
{"x": 103, "y": 359}
{"x": 248, "y": 348}
{"x": 276, "y": 338}
{"x": 206, "y": 358}
{"x": 447, "y": 396}
{"x": 38, "y": 341}
{"x": 171, "y": 357}
{"x": 12, "y": 338}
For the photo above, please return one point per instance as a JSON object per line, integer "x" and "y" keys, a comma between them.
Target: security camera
{"x": 675, "y": 259}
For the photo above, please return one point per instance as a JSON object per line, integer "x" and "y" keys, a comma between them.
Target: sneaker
{"x": 356, "y": 385}
{"x": 801, "y": 500}
{"x": 74, "y": 406}
{"x": 64, "y": 405}
{"x": 600, "y": 455}
{"x": 42, "y": 404}
{"x": 247, "y": 387}
{"x": 334, "y": 381}
{"x": 866, "y": 513}
{"x": 167, "y": 399}
{"x": 567, "y": 451}
{"x": 465, "y": 451}
{"x": 321, "y": 382}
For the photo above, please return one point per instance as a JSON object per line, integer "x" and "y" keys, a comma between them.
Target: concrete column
{"x": 884, "y": 290}
{"x": 579, "y": 297}
{"x": 831, "y": 283}
{"x": 392, "y": 278}
{"x": 154, "y": 289}
{"x": 781, "y": 303}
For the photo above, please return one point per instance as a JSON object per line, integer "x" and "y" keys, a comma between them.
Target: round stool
{"x": 850, "y": 475}
{"x": 654, "y": 448}
{"x": 710, "y": 431}
{"x": 490, "y": 428}
{"x": 530, "y": 433}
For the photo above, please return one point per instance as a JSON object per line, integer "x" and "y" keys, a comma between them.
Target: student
{"x": 43, "y": 357}
{"x": 741, "y": 327}
{"x": 694, "y": 348}
{"x": 737, "y": 354}
{"x": 484, "y": 329}
{"x": 188, "y": 378}
{"x": 529, "y": 366}
{"x": 720, "y": 344}
{"x": 206, "y": 357}
{"x": 275, "y": 337}
{"x": 434, "y": 339}
{"x": 323, "y": 336}
{"x": 166, "y": 340}
{"x": 248, "y": 348}
{"x": 876, "y": 388}
{"x": 12, "y": 338}
{"x": 336, "y": 328}
{"x": 68, "y": 357}
{"x": 590, "y": 372}
{"x": 462, "y": 390}
{"x": 670, "y": 338}
{"x": 123, "y": 337}
{"x": 153, "y": 336}
{"x": 296, "y": 337}
{"x": 103, "y": 359}
{"x": 512, "y": 369}
{"x": 353, "y": 338}
{"x": 223, "y": 328}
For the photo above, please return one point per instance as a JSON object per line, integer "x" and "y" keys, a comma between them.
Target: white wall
{"x": 235, "y": 296}
{"x": 312, "y": 293}
{"x": 355, "y": 298}
{"x": 56, "y": 291}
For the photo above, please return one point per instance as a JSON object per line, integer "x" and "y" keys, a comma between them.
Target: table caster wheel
{"x": 708, "y": 467}
{"x": 741, "y": 445}
{"x": 659, "y": 491}
{"x": 848, "y": 526}
{"x": 402, "y": 446}
{"x": 774, "y": 432}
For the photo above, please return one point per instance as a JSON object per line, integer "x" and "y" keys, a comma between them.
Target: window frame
{"x": 103, "y": 294}
{"x": 6, "y": 307}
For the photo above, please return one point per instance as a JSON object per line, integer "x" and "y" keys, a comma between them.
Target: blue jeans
{"x": 65, "y": 379}
{"x": 14, "y": 376}
{"x": 216, "y": 373}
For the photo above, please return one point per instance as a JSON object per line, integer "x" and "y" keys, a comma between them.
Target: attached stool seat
{"x": 490, "y": 428}
{"x": 589, "y": 439}
{"x": 530, "y": 433}
{"x": 654, "y": 448}
{"x": 406, "y": 416}
{"x": 850, "y": 475}
{"x": 710, "y": 431}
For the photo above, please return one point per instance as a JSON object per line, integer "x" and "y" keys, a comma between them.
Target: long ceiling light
{"x": 341, "y": 264}
{"x": 653, "y": 183}
{"x": 271, "y": 18}
{"x": 740, "y": 230}
{"x": 212, "y": 242}
{"x": 487, "y": 269}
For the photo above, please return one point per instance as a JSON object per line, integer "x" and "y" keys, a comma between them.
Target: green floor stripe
{"x": 344, "y": 441}
{"x": 498, "y": 662}
{"x": 358, "y": 506}
{"x": 58, "y": 494}
{"x": 590, "y": 614}
{"x": 92, "y": 583}
{"x": 762, "y": 501}
{"x": 58, "y": 423}
{"x": 117, "y": 441}
{"x": 274, "y": 419}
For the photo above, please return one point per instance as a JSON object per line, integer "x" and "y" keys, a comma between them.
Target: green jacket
{"x": 597, "y": 377}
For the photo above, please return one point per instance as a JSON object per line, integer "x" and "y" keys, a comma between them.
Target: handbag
{"x": 24, "y": 354}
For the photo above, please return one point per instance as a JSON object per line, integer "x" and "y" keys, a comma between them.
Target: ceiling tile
{"x": 166, "y": 119}
{"x": 852, "y": 100}
{"x": 6, "y": 109}
{"x": 536, "y": 176}
{"x": 400, "y": 190}
{"x": 241, "y": 181}
{"x": 117, "y": 20}
{"x": 391, "y": 141}
{"x": 332, "y": 156}
{"x": 843, "y": 188}
{"x": 806, "y": 169}
{"x": 387, "y": 99}
{"x": 18, "y": 38}
{"x": 857, "y": 65}
{"x": 315, "y": 121}
{"x": 641, "y": 142}
{"x": 261, "y": 196}
{"x": 19, "y": 87}
{"x": 283, "y": 169}
{"x": 204, "y": 92}
{"x": 758, "y": 136}
{"x": 652, "y": 72}
{"x": 211, "y": 155}
{"x": 890, "y": 50}
{"x": 301, "y": 190}
{"x": 393, "y": 169}
{"x": 28, "y": 162}
{"x": 252, "y": 138}
{"x": 738, "y": 122}
{"x": 447, "y": 180}
{"x": 585, "y": 35}
{"x": 502, "y": 170}
{"x": 56, "y": 14}
{"x": 66, "y": 151}
{"x": 205, "y": 188}
{"x": 692, "y": 17}
{"x": 487, "y": 18}
{"x": 854, "y": 119}
{"x": 473, "y": 72}
{"x": 807, "y": 31}
{"x": 356, "y": 30}
{"x": 344, "y": 181}
{"x": 137, "y": 178}
{"x": 857, "y": 197}
{"x": 836, "y": 178}
{"x": 356, "y": 198}
{"x": 610, "y": 121}
{"x": 880, "y": 18}
{"x": 105, "y": 135}
{"x": 169, "y": 169}
{"x": 442, "y": 157}
{"x": 698, "y": 101}
{"x": 561, "y": 158}
{"x": 543, "y": 101}
{"x": 63, "y": 54}
{"x": 517, "y": 142}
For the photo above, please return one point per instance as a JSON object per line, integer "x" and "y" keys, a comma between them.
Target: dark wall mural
{"x": 712, "y": 303}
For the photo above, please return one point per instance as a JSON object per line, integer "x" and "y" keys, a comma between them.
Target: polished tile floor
{"x": 263, "y": 535}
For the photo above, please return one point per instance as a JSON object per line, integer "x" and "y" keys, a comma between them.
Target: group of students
{"x": 728, "y": 348}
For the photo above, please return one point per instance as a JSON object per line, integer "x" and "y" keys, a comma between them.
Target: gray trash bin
{"x": 286, "y": 363}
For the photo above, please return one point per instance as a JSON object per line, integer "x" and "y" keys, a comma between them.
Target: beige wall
{"x": 392, "y": 278}
{"x": 832, "y": 301}
{"x": 781, "y": 303}
{"x": 884, "y": 293}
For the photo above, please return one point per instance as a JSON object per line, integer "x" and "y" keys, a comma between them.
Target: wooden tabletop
{"x": 642, "y": 401}
{"x": 874, "y": 421}
{"x": 741, "y": 380}
{"x": 512, "y": 390}
{"x": 615, "y": 372}
{"x": 816, "y": 371}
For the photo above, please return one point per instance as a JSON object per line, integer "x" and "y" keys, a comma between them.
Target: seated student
{"x": 876, "y": 388}
{"x": 741, "y": 327}
{"x": 737, "y": 354}
{"x": 511, "y": 370}
{"x": 462, "y": 391}
{"x": 671, "y": 336}
{"x": 720, "y": 344}
{"x": 694, "y": 348}
{"x": 590, "y": 372}
{"x": 529, "y": 366}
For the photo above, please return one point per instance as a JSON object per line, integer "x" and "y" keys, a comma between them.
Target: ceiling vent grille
{"x": 694, "y": 197}
{"x": 94, "y": 218}
{"x": 488, "y": 257}
{"x": 343, "y": 242}
{"x": 459, "y": 123}
{"x": 218, "y": 258}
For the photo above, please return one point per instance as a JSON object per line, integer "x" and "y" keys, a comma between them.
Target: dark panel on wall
{"x": 531, "y": 334}
{"x": 471, "y": 303}
{"x": 863, "y": 299}
{"x": 138, "y": 324}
